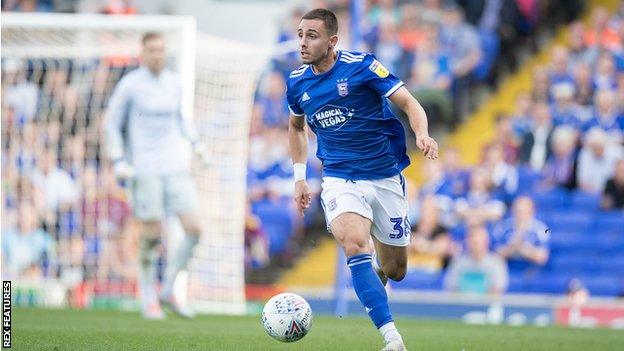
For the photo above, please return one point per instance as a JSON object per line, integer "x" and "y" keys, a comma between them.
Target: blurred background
{"x": 520, "y": 221}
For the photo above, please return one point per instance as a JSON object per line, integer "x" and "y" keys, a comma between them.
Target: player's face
{"x": 154, "y": 54}
{"x": 315, "y": 43}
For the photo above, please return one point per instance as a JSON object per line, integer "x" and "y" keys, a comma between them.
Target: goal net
{"x": 68, "y": 237}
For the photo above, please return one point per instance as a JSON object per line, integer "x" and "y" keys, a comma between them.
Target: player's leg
{"x": 181, "y": 199}
{"x": 392, "y": 260}
{"x": 148, "y": 209}
{"x": 391, "y": 229}
{"x": 391, "y": 236}
{"x": 348, "y": 216}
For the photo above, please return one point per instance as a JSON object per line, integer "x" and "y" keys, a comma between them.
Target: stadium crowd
{"x": 563, "y": 143}
{"x": 441, "y": 50}
{"x": 67, "y": 217}
{"x": 63, "y": 213}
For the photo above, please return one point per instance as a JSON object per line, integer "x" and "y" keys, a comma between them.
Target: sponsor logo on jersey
{"x": 379, "y": 69}
{"x": 305, "y": 97}
{"x": 331, "y": 116}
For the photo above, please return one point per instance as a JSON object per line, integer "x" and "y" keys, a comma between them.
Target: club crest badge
{"x": 343, "y": 89}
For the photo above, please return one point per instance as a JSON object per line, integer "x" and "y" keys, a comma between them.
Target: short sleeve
{"x": 293, "y": 105}
{"x": 379, "y": 78}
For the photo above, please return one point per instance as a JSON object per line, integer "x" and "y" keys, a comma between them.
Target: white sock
{"x": 147, "y": 271}
{"x": 177, "y": 263}
{"x": 390, "y": 332}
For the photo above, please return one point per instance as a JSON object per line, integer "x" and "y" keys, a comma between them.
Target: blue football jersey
{"x": 347, "y": 108}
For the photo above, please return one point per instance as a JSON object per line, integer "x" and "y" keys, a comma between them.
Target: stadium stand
{"x": 573, "y": 148}
{"x": 586, "y": 238}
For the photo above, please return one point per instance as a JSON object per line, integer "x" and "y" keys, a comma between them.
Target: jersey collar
{"x": 338, "y": 53}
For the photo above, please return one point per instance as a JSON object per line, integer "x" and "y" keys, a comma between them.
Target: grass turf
{"x": 38, "y": 329}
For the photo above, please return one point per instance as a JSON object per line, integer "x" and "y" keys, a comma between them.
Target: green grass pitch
{"x": 38, "y": 329}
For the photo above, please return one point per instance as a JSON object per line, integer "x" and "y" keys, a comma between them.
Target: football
{"x": 287, "y": 317}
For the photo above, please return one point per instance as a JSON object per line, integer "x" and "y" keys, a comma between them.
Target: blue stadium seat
{"x": 585, "y": 202}
{"x": 422, "y": 280}
{"x": 609, "y": 222}
{"x": 527, "y": 179}
{"x": 576, "y": 263}
{"x": 569, "y": 221}
{"x": 604, "y": 285}
{"x": 547, "y": 282}
{"x": 277, "y": 223}
{"x": 555, "y": 199}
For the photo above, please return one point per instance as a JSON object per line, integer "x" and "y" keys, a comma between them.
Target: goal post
{"x": 69, "y": 64}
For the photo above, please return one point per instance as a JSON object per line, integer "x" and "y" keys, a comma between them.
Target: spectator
{"x": 564, "y": 111}
{"x": 27, "y": 6}
{"x": 383, "y": 11}
{"x": 430, "y": 77}
{"x": 521, "y": 121}
{"x": 619, "y": 93}
{"x": 580, "y": 52}
{"x": 584, "y": 85}
{"x": 429, "y": 236}
{"x": 18, "y": 94}
{"x": 613, "y": 193}
{"x": 388, "y": 49}
{"x": 461, "y": 41}
{"x": 478, "y": 270}
{"x": 505, "y": 138}
{"x": 410, "y": 31}
{"x": 256, "y": 242}
{"x": 479, "y": 206}
{"x": 606, "y": 116}
{"x": 559, "y": 168}
{"x": 522, "y": 239}
{"x": 600, "y": 34}
{"x": 559, "y": 70}
{"x": 503, "y": 176}
{"x": 58, "y": 187}
{"x": 456, "y": 177}
{"x": 541, "y": 84}
{"x": 535, "y": 147}
{"x": 434, "y": 178}
{"x": 273, "y": 103}
{"x": 26, "y": 249}
{"x": 597, "y": 161}
{"x": 605, "y": 77}
{"x": 431, "y": 10}
{"x": 28, "y": 147}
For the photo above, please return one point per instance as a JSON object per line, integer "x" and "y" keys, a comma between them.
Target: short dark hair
{"x": 329, "y": 19}
{"x": 149, "y": 36}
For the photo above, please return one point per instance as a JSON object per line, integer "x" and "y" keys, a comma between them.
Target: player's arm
{"x": 189, "y": 132}
{"x": 417, "y": 120}
{"x": 298, "y": 141}
{"x": 116, "y": 115}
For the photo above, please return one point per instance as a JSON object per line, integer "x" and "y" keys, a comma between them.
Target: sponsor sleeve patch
{"x": 379, "y": 69}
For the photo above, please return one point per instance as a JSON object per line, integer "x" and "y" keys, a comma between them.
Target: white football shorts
{"x": 383, "y": 201}
{"x": 153, "y": 197}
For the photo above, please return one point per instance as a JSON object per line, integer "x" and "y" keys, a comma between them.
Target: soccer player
{"x": 147, "y": 141}
{"x": 343, "y": 97}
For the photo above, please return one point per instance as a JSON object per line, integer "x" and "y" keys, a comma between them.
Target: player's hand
{"x": 123, "y": 170}
{"x": 427, "y": 145}
{"x": 303, "y": 196}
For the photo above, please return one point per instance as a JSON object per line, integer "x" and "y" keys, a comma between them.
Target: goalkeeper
{"x": 147, "y": 139}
